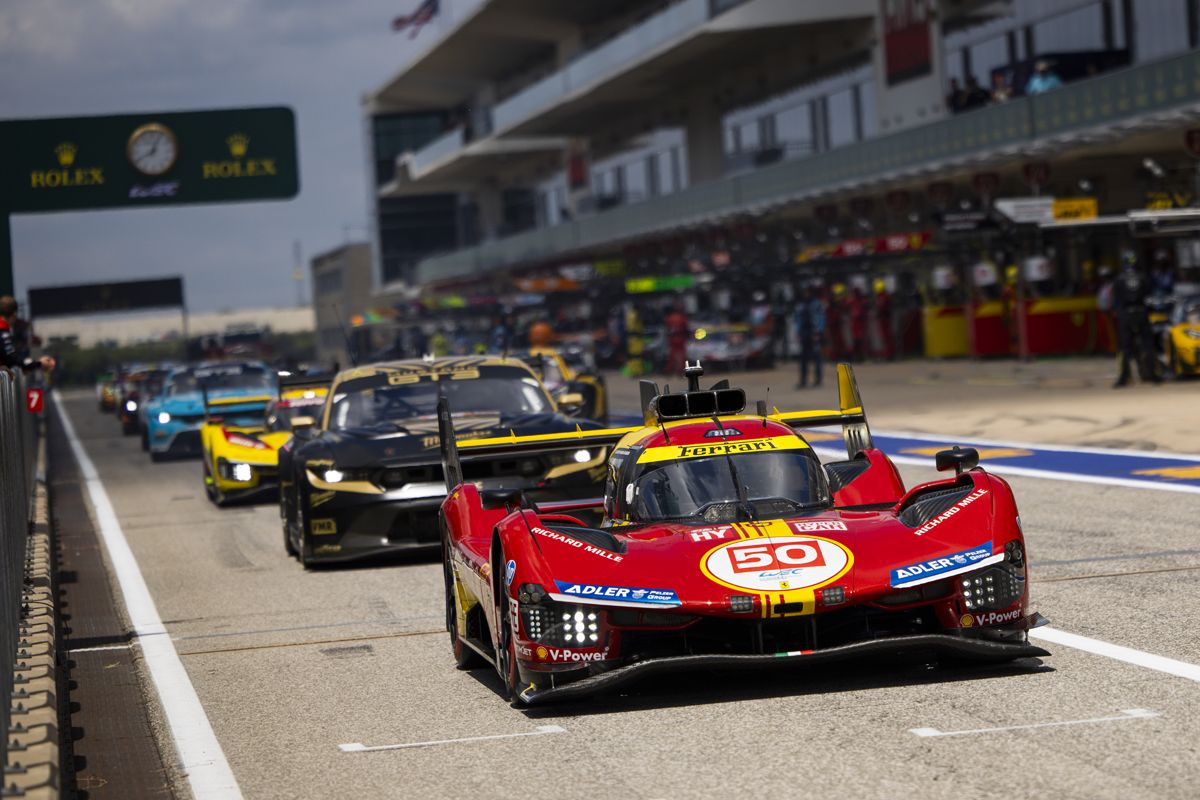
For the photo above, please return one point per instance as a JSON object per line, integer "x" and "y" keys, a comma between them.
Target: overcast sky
{"x": 68, "y": 57}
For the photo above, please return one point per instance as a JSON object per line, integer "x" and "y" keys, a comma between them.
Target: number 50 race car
{"x": 725, "y": 542}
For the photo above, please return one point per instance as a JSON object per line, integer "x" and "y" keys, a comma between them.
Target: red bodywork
{"x": 866, "y": 570}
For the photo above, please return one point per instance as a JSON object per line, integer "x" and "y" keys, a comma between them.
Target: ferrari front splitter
{"x": 934, "y": 644}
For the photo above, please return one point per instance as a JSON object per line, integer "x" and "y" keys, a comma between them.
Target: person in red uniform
{"x": 10, "y": 354}
{"x": 677, "y": 338}
{"x": 883, "y": 321}
{"x": 857, "y": 310}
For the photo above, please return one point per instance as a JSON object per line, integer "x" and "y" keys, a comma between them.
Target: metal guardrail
{"x": 1005, "y": 128}
{"x": 18, "y": 459}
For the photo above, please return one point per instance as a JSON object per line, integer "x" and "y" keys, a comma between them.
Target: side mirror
{"x": 958, "y": 459}
{"x": 303, "y": 426}
{"x": 570, "y": 402}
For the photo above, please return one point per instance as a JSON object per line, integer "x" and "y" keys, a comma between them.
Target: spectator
{"x": 677, "y": 339}
{"x": 1162, "y": 277}
{"x": 10, "y": 356}
{"x": 1001, "y": 90}
{"x": 498, "y": 341}
{"x": 1043, "y": 80}
{"x": 956, "y": 100}
{"x": 810, "y": 330}
{"x": 976, "y": 95}
{"x": 1133, "y": 324}
{"x": 541, "y": 334}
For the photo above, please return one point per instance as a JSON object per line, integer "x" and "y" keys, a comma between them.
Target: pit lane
{"x": 291, "y": 665}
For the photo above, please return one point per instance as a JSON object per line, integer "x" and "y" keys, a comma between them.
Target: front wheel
{"x": 464, "y": 656}
{"x": 506, "y": 654}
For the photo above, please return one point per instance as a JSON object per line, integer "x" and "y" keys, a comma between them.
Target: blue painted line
{"x": 1138, "y": 469}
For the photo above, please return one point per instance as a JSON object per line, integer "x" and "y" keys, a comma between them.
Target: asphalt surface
{"x": 291, "y": 664}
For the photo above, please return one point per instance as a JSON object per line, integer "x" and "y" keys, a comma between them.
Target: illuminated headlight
{"x": 582, "y": 626}
{"x": 163, "y": 418}
{"x": 242, "y": 472}
{"x": 1192, "y": 333}
{"x": 130, "y": 405}
{"x": 333, "y": 476}
{"x": 583, "y": 456}
{"x": 561, "y": 625}
{"x": 993, "y": 588}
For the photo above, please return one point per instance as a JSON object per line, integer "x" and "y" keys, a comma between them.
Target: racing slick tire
{"x": 506, "y": 653}
{"x": 145, "y": 441}
{"x": 210, "y": 488}
{"x": 306, "y": 560}
{"x": 464, "y": 656}
{"x": 288, "y": 547}
{"x": 1173, "y": 361}
{"x": 157, "y": 457}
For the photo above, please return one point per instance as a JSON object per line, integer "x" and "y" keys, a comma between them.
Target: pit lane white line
{"x": 357, "y": 747}
{"x": 1027, "y": 472}
{"x": 1138, "y": 658}
{"x": 1126, "y": 715}
{"x": 200, "y": 754}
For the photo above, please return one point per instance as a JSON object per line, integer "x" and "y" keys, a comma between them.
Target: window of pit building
{"x": 329, "y": 281}
{"x": 1160, "y": 28}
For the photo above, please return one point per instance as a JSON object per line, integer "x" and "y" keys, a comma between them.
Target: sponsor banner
{"x": 815, "y": 525}
{"x": 629, "y": 594}
{"x": 675, "y": 452}
{"x": 578, "y": 545}
{"x": 710, "y": 534}
{"x": 943, "y": 566}
{"x": 950, "y": 512}
{"x": 777, "y": 563}
{"x": 990, "y": 617}
{"x": 567, "y": 655}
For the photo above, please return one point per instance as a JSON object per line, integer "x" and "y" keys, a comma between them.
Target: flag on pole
{"x": 417, "y": 19}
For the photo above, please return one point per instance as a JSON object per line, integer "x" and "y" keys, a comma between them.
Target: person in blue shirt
{"x": 1043, "y": 80}
{"x": 809, "y": 319}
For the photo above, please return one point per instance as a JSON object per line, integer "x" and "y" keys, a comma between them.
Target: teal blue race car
{"x": 173, "y": 419}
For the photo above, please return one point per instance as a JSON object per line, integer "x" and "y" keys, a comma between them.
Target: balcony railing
{"x": 439, "y": 149}
{"x": 612, "y": 57}
{"x": 1004, "y": 128}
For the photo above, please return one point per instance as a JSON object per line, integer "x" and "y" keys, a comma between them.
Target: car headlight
{"x": 235, "y": 471}
{"x": 163, "y": 418}
{"x": 1192, "y": 333}
{"x": 332, "y": 476}
{"x": 242, "y": 472}
{"x": 582, "y": 456}
{"x": 998, "y": 586}
{"x": 130, "y": 406}
{"x": 561, "y": 625}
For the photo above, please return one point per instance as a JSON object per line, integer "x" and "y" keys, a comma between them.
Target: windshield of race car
{"x": 281, "y": 413}
{"x": 703, "y": 489}
{"x": 372, "y": 402}
{"x": 226, "y": 376}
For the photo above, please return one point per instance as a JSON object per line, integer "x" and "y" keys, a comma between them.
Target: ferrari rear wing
{"x": 850, "y": 415}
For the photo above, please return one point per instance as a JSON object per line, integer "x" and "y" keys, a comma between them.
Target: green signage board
{"x": 154, "y": 159}
{"x": 661, "y": 283}
{"x": 78, "y": 163}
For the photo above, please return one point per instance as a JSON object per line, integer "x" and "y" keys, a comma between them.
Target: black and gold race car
{"x": 366, "y": 477}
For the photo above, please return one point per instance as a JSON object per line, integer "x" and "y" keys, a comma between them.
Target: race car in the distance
{"x": 242, "y": 461}
{"x": 135, "y": 385}
{"x": 366, "y": 477}
{"x": 574, "y": 384}
{"x": 173, "y": 418}
{"x": 725, "y": 542}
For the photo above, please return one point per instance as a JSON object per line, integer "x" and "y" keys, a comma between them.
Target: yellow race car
{"x": 241, "y": 461}
{"x": 575, "y": 385}
{"x": 1182, "y": 337}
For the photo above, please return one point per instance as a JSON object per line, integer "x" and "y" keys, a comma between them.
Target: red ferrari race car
{"x": 723, "y": 541}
